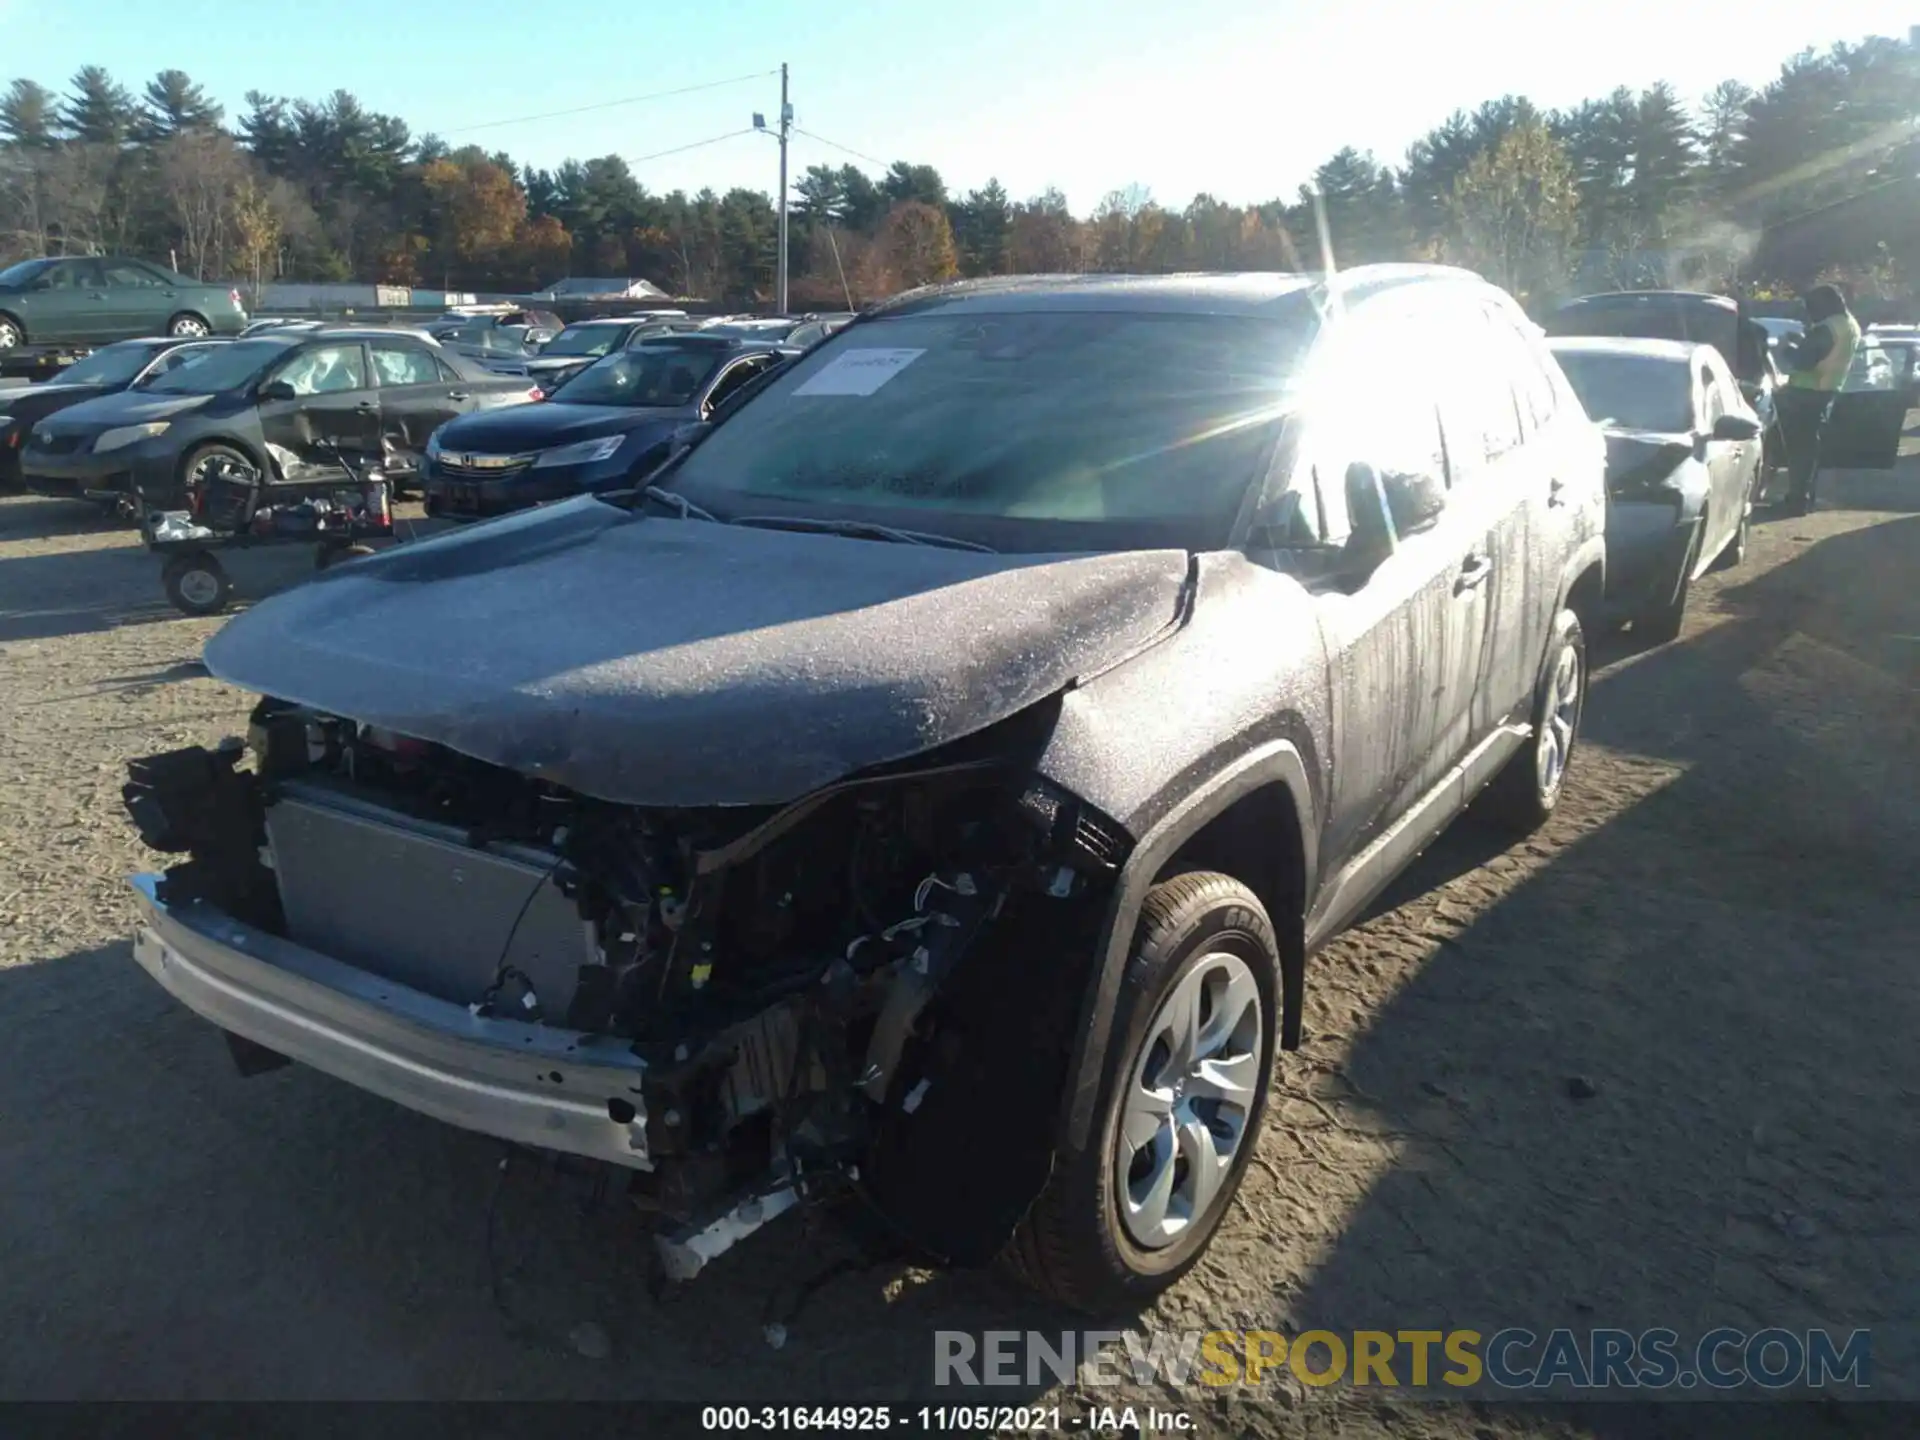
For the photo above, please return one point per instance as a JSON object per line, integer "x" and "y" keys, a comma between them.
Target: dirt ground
{"x": 1717, "y": 932}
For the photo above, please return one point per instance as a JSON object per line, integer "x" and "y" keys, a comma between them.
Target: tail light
{"x": 234, "y": 295}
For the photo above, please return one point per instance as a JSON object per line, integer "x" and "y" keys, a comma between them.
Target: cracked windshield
{"x": 1062, "y": 718}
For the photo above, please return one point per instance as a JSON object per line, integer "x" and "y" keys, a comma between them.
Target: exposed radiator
{"x": 412, "y": 901}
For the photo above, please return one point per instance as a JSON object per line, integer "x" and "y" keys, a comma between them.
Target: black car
{"x": 276, "y": 403}
{"x": 1696, "y": 318}
{"x": 930, "y": 790}
{"x": 107, "y": 371}
{"x": 585, "y": 341}
{"x": 612, "y": 421}
{"x": 1684, "y": 461}
{"x": 800, "y": 331}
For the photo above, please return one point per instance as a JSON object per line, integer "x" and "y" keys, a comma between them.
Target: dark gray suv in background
{"x": 958, "y": 753}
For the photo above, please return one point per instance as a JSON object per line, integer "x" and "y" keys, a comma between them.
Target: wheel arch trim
{"x": 1277, "y": 761}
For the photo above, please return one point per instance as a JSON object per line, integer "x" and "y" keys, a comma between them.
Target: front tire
{"x": 188, "y": 326}
{"x": 1184, "y": 1091}
{"x": 1525, "y": 793}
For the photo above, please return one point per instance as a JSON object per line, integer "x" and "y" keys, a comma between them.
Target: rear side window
{"x": 404, "y": 365}
{"x": 1529, "y": 359}
{"x": 1479, "y": 406}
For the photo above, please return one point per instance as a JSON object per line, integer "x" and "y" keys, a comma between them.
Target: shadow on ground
{"x": 1727, "y": 967}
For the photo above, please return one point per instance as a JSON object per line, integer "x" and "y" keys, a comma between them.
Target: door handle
{"x": 96, "y": 295}
{"x": 1554, "y": 489}
{"x": 1473, "y": 574}
{"x": 458, "y": 395}
{"x": 367, "y": 407}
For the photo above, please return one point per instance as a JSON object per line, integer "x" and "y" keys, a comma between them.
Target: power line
{"x": 610, "y": 104}
{"x": 836, "y": 145}
{"x": 682, "y": 149}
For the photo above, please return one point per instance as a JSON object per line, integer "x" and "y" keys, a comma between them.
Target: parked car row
{"x": 275, "y": 404}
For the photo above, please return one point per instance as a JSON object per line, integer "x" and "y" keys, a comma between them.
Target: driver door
{"x": 1406, "y": 641}
{"x": 333, "y": 404}
{"x": 1864, "y": 430}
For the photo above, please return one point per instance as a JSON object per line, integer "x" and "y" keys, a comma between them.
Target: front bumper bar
{"x": 531, "y": 1084}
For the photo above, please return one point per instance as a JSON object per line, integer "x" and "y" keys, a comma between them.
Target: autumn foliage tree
{"x": 914, "y": 247}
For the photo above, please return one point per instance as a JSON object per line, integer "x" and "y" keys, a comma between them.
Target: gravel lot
{"x": 1717, "y": 932}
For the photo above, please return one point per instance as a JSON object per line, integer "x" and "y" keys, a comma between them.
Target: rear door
{"x": 416, "y": 397}
{"x": 334, "y": 403}
{"x": 1489, "y": 471}
{"x": 1533, "y": 515}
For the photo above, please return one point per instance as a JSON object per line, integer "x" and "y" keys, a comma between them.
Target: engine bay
{"x": 839, "y": 994}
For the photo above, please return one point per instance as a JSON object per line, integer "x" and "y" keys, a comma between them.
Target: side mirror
{"x": 1414, "y": 502}
{"x": 1736, "y": 427}
{"x": 277, "y": 390}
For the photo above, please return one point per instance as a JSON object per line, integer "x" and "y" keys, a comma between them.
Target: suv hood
{"x": 680, "y": 663}
{"x": 511, "y": 429}
{"x": 125, "y": 407}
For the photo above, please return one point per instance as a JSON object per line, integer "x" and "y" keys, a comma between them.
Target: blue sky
{"x": 1088, "y": 95}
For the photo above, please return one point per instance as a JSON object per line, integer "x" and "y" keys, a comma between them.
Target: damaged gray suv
{"x": 927, "y": 791}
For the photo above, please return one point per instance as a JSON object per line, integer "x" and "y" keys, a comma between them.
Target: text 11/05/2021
{"x": 946, "y": 1419}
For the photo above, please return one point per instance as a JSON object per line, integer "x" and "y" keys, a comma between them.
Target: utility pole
{"x": 786, "y": 124}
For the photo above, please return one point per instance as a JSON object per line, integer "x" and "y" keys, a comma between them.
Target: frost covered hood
{"x": 658, "y": 661}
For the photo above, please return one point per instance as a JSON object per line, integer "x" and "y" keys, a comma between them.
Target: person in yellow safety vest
{"x": 1819, "y": 363}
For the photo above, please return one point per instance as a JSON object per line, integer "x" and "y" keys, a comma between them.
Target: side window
{"x": 1713, "y": 402}
{"x": 175, "y": 358}
{"x": 1395, "y": 429}
{"x": 1533, "y": 381}
{"x": 447, "y": 372}
{"x": 403, "y": 365}
{"x": 732, "y": 379}
{"x": 75, "y": 275}
{"x": 326, "y": 370}
{"x": 1478, "y": 406}
{"x": 130, "y": 277}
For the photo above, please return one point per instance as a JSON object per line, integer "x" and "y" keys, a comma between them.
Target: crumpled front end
{"x": 745, "y": 1008}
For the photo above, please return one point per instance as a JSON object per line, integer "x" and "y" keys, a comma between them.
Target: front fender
{"x": 1276, "y": 761}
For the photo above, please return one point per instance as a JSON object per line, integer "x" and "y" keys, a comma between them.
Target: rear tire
{"x": 197, "y": 583}
{"x": 1524, "y": 794}
{"x": 188, "y": 326}
{"x": 1186, "y": 1075}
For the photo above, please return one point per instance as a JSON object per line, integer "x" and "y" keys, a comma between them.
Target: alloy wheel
{"x": 1554, "y": 747}
{"x": 188, "y": 326}
{"x": 1190, "y": 1092}
{"x": 9, "y": 335}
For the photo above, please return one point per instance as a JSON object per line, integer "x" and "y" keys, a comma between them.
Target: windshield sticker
{"x": 859, "y": 372}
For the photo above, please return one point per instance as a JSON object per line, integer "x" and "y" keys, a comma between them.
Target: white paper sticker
{"x": 859, "y": 372}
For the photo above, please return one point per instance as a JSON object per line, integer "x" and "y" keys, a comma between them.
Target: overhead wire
{"x": 681, "y": 149}
{"x": 836, "y": 145}
{"x": 611, "y": 104}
